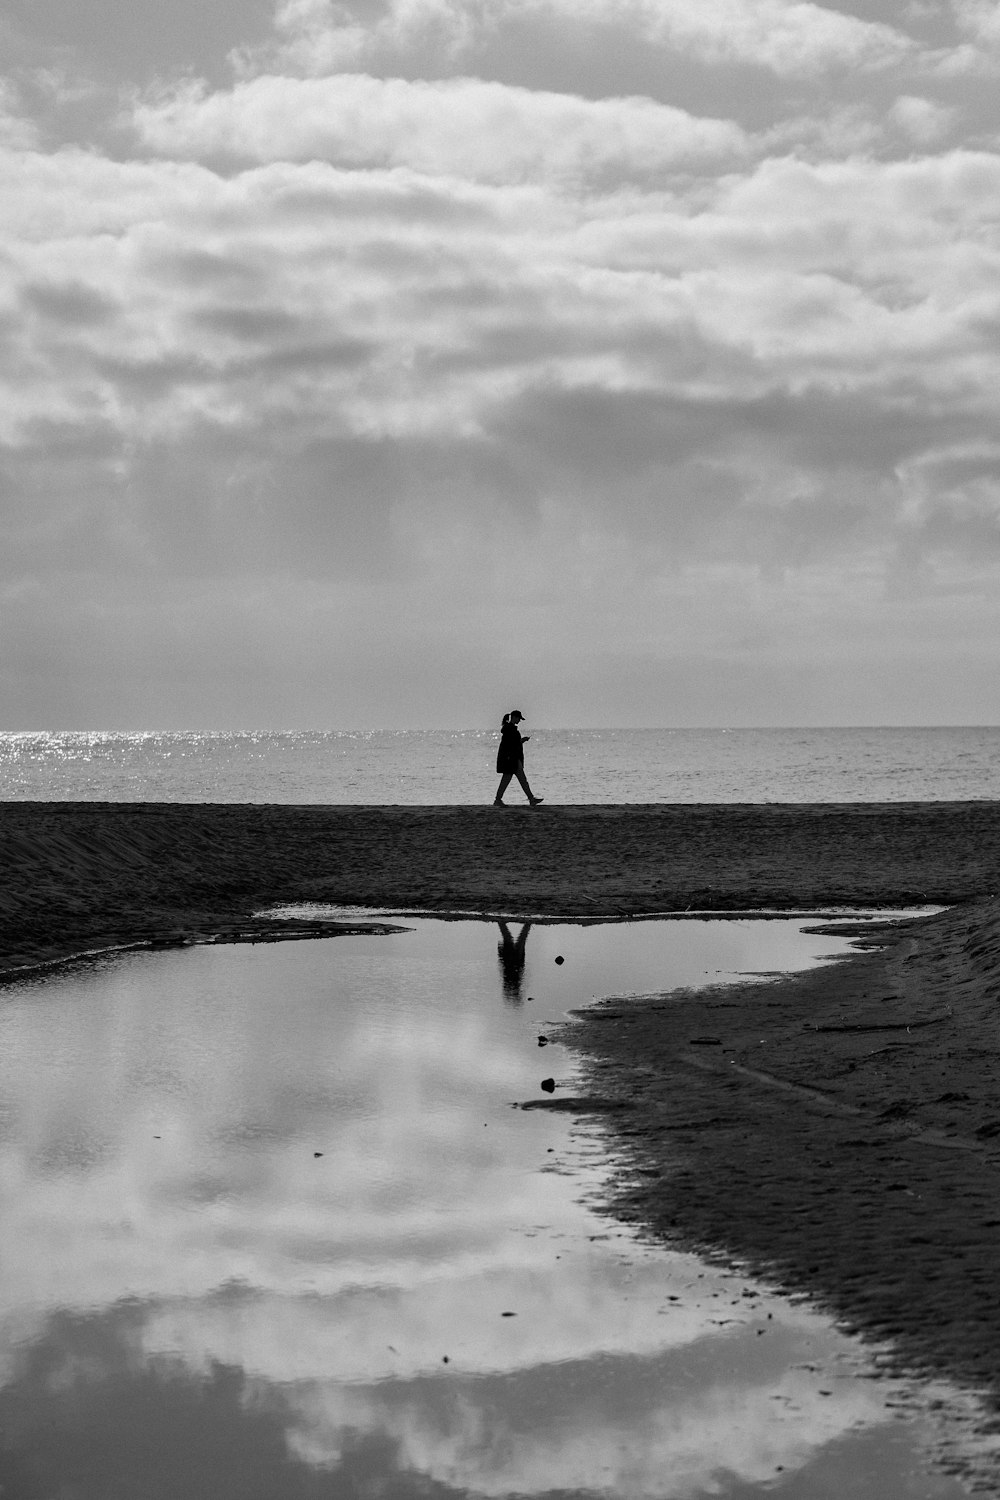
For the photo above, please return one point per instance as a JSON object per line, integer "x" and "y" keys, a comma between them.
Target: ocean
{"x": 440, "y": 767}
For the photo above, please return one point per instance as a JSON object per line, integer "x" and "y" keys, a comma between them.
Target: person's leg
{"x": 504, "y": 784}
{"x": 519, "y": 773}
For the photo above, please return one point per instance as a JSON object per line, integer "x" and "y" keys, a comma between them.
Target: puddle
{"x": 270, "y": 1227}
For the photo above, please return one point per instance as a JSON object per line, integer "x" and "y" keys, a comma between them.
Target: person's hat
{"x": 516, "y": 713}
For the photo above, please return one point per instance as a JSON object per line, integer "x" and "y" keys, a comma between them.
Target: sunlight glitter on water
{"x": 268, "y": 1214}
{"x": 456, "y": 767}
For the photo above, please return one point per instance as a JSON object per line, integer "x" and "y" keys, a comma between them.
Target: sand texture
{"x": 837, "y": 1131}
{"x": 82, "y": 875}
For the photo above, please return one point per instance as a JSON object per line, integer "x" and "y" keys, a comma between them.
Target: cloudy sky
{"x": 387, "y": 362}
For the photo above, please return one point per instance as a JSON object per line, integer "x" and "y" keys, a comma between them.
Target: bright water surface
{"x": 271, "y": 1229}
{"x": 457, "y": 766}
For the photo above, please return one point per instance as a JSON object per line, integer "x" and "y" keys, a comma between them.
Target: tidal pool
{"x": 271, "y": 1228}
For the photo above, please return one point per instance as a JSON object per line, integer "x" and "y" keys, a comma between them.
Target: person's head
{"x": 515, "y": 716}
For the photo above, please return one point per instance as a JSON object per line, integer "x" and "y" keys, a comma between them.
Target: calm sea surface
{"x": 457, "y": 766}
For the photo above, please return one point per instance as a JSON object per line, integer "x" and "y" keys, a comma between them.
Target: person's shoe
{"x": 535, "y": 801}
{"x": 498, "y": 803}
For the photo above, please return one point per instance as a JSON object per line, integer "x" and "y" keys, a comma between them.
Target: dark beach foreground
{"x": 837, "y": 1132}
{"x": 82, "y": 875}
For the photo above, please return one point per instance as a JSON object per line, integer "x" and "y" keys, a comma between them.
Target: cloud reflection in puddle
{"x": 285, "y": 1186}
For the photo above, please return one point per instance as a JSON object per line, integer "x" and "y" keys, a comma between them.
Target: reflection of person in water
{"x": 510, "y": 758}
{"x": 510, "y": 952}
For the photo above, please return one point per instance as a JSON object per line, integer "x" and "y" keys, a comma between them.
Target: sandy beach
{"x": 80, "y": 875}
{"x": 837, "y": 1132}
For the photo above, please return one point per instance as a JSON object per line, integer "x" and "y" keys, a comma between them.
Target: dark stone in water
{"x": 549, "y": 1085}
{"x": 560, "y": 959}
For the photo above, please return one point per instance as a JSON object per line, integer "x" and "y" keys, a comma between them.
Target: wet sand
{"x": 838, "y": 1132}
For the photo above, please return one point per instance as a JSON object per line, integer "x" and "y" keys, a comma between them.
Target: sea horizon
{"x": 615, "y": 764}
{"x": 258, "y": 729}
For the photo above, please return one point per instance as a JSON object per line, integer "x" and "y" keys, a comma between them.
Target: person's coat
{"x": 511, "y": 752}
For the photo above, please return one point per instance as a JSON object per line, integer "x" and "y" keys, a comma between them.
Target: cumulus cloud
{"x": 979, "y": 20}
{"x": 790, "y": 37}
{"x": 462, "y": 127}
{"x": 309, "y": 310}
{"x": 17, "y": 130}
{"x": 318, "y": 350}
{"x": 924, "y": 120}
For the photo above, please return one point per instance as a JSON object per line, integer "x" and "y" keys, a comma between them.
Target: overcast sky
{"x": 391, "y": 362}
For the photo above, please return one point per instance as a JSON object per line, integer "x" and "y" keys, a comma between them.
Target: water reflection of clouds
{"x": 158, "y": 1143}
{"x": 661, "y": 1427}
{"x": 214, "y": 1280}
{"x": 616, "y": 1429}
{"x": 589, "y": 1308}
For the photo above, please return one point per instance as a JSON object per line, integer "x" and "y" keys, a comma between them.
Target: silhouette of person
{"x": 510, "y": 758}
{"x": 510, "y": 952}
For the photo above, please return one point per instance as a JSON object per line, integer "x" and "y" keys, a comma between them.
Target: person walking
{"x": 510, "y": 758}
